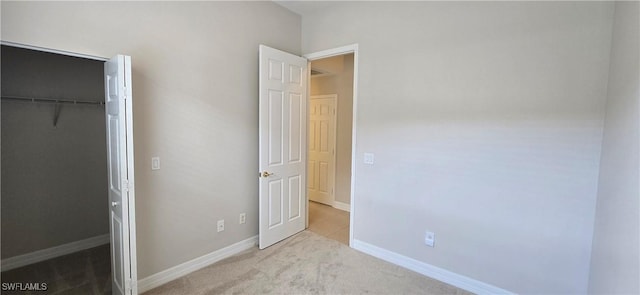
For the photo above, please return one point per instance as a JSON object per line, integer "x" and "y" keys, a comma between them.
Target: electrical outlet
{"x": 243, "y": 218}
{"x": 429, "y": 238}
{"x": 220, "y": 225}
{"x": 369, "y": 158}
{"x": 155, "y": 163}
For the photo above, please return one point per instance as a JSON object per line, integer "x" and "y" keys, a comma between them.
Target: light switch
{"x": 368, "y": 158}
{"x": 155, "y": 163}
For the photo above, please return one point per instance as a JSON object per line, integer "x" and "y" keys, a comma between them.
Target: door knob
{"x": 266, "y": 174}
{"x": 114, "y": 204}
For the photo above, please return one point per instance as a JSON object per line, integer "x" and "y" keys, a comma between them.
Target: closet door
{"x": 120, "y": 164}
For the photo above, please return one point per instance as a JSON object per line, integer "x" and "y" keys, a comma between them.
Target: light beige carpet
{"x": 306, "y": 263}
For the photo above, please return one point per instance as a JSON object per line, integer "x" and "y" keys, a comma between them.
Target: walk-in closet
{"x": 55, "y": 224}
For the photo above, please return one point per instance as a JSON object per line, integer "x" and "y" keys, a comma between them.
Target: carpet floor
{"x": 84, "y": 272}
{"x": 306, "y": 263}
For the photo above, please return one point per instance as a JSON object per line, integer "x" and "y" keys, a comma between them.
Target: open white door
{"x": 119, "y": 115}
{"x": 282, "y": 145}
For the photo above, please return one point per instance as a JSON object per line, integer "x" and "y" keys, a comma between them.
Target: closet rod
{"x": 52, "y": 100}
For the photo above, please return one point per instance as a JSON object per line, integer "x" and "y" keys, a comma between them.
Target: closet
{"x": 54, "y": 170}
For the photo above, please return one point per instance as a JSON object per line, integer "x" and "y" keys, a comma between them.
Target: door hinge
{"x": 127, "y": 185}
{"x": 127, "y": 286}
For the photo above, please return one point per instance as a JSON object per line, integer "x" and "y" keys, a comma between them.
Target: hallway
{"x": 329, "y": 222}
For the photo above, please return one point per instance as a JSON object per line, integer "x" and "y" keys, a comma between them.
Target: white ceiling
{"x": 305, "y": 7}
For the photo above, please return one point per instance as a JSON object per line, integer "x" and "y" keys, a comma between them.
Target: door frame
{"x": 334, "y": 98}
{"x": 348, "y": 49}
{"x": 133, "y": 262}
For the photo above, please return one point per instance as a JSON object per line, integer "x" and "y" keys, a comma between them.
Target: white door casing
{"x": 322, "y": 149}
{"x": 282, "y": 145}
{"x": 119, "y": 120}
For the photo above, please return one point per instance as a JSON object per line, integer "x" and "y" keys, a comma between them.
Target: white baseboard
{"x": 53, "y": 252}
{"x": 342, "y": 206}
{"x": 168, "y": 275}
{"x": 429, "y": 270}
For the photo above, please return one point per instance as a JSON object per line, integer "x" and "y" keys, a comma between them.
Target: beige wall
{"x": 195, "y": 68}
{"x": 615, "y": 261}
{"x": 486, "y": 122}
{"x": 340, "y": 82}
{"x": 331, "y": 65}
{"x": 54, "y": 188}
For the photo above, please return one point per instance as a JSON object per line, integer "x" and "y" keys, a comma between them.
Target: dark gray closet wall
{"x": 54, "y": 179}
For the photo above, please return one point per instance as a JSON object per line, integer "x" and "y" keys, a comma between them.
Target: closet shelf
{"x": 51, "y": 100}
{"x": 57, "y": 102}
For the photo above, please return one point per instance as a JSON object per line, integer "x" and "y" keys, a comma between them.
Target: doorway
{"x": 282, "y": 132}
{"x": 55, "y": 222}
{"x": 330, "y": 145}
{"x": 57, "y": 110}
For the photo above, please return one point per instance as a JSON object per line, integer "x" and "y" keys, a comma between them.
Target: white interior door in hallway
{"x": 322, "y": 149}
{"x": 282, "y": 145}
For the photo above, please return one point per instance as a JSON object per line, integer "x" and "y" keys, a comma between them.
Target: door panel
{"x": 322, "y": 139}
{"x": 282, "y": 145}
{"x": 275, "y": 203}
{"x": 119, "y": 123}
{"x": 275, "y": 127}
{"x": 296, "y": 197}
{"x": 295, "y": 130}
{"x": 116, "y": 254}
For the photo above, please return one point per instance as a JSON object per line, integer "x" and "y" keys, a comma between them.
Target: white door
{"x": 119, "y": 115}
{"x": 322, "y": 148}
{"x": 282, "y": 145}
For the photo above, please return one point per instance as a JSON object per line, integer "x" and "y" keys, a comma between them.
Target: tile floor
{"x": 329, "y": 222}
